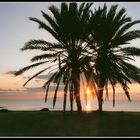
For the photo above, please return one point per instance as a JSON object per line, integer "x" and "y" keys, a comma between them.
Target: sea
{"x": 38, "y": 104}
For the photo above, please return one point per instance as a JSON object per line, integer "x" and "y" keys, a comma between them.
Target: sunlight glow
{"x": 88, "y": 96}
{"x": 88, "y": 91}
{"x": 88, "y": 107}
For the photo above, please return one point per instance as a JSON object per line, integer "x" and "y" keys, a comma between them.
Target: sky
{"x": 16, "y": 29}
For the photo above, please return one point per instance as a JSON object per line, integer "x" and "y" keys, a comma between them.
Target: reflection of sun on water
{"x": 88, "y": 105}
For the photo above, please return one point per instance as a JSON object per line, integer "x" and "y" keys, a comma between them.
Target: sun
{"x": 88, "y": 91}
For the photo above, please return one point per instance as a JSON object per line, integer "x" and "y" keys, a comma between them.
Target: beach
{"x": 56, "y": 124}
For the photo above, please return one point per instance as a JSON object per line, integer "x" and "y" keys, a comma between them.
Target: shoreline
{"x": 88, "y": 111}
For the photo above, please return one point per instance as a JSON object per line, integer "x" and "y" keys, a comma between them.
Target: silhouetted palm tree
{"x": 112, "y": 50}
{"x": 68, "y": 25}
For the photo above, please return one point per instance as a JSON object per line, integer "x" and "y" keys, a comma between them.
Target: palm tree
{"x": 112, "y": 50}
{"x": 68, "y": 25}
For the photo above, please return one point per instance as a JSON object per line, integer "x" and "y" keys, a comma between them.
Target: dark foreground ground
{"x": 55, "y": 124}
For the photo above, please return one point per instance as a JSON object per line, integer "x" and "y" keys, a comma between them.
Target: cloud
{"x": 37, "y": 80}
{"x": 25, "y": 77}
{"x": 40, "y": 89}
{"x": 11, "y": 87}
{"x": 34, "y": 90}
{"x": 45, "y": 77}
{"x": 10, "y": 72}
{"x": 29, "y": 93}
{"x": 10, "y": 90}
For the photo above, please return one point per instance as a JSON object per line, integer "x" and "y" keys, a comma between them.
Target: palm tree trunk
{"x": 77, "y": 91}
{"x": 79, "y": 106}
{"x": 100, "y": 93}
{"x": 71, "y": 102}
{"x": 100, "y": 99}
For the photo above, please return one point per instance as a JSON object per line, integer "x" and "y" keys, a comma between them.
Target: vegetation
{"x": 95, "y": 45}
{"x": 68, "y": 27}
{"x": 113, "y": 51}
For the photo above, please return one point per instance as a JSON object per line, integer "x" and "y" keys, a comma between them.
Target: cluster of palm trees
{"x": 93, "y": 46}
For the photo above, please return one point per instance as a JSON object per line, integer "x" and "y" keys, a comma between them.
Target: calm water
{"x": 92, "y": 105}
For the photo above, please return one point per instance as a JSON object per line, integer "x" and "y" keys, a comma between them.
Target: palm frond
{"x": 38, "y": 45}
{"x": 56, "y": 13}
{"x": 42, "y": 25}
{"x": 47, "y": 85}
{"x": 81, "y": 8}
{"x": 47, "y": 89}
{"x": 119, "y": 16}
{"x": 126, "y": 27}
{"x": 125, "y": 88}
{"x": 131, "y": 35}
{"x": 73, "y": 8}
{"x": 55, "y": 94}
{"x": 131, "y": 71}
{"x": 35, "y": 75}
{"x": 64, "y": 8}
{"x": 50, "y": 79}
{"x": 51, "y": 21}
{"x": 112, "y": 12}
{"x": 123, "y": 83}
{"x": 28, "y": 67}
{"x": 131, "y": 51}
{"x": 44, "y": 56}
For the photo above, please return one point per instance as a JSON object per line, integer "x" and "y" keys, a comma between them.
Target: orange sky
{"x": 11, "y": 88}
